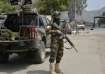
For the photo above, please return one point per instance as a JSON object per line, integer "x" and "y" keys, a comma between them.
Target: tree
{"x": 77, "y": 6}
{"x": 81, "y": 4}
{"x": 5, "y": 7}
{"x": 47, "y": 6}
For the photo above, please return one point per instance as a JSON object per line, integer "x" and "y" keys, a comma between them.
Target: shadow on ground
{"x": 38, "y": 72}
{"x": 17, "y": 63}
{"x": 11, "y": 68}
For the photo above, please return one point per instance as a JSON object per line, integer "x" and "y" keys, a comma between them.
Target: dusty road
{"x": 89, "y": 60}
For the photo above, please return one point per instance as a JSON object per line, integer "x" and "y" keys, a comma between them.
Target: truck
{"x": 23, "y": 33}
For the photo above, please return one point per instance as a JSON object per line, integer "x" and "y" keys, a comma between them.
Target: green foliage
{"x": 47, "y": 6}
{"x": 80, "y": 5}
{"x": 5, "y": 7}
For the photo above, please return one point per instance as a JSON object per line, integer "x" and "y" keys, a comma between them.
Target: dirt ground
{"x": 89, "y": 60}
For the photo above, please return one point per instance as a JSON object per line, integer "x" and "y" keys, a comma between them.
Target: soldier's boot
{"x": 52, "y": 68}
{"x": 57, "y": 68}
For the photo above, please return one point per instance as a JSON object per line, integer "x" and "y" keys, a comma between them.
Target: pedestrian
{"x": 56, "y": 46}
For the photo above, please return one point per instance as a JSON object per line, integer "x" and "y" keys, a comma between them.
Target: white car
{"x": 81, "y": 26}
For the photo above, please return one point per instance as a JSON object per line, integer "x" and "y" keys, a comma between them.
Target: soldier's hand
{"x": 48, "y": 28}
{"x": 59, "y": 32}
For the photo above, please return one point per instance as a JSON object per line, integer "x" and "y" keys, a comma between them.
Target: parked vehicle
{"x": 24, "y": 34}
{"x": 81, "y": 26}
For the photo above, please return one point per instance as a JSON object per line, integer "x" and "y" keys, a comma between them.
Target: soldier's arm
{"x": 49, "y": 30}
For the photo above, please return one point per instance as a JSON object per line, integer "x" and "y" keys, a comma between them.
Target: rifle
{"x": 65, "y": 36}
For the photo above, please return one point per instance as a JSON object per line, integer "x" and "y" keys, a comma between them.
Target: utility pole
{"x": 73, "y": 13}
{"x": 75, "y": 18}
{"x": 75, "y": 10}
{"x": 71, "y": 10}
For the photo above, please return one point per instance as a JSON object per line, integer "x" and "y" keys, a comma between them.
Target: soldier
{"x": 56, "y": 46}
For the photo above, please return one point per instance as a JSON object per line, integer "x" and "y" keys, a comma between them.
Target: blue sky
{"x": 95, "y": 4}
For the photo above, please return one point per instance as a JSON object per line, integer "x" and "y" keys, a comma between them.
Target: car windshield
{"x": 13, "y": 21}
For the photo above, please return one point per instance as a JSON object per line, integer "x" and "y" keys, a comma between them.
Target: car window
{"x": 41, "y": 22}
{"x": 46, "y": 21}
{"x": 13, "y": 21}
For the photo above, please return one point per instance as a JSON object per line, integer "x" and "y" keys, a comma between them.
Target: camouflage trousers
{"x": 56, "y": 49}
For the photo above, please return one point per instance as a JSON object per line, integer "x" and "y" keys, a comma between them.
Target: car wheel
{"x": 38, "y": 56}
{"x": 4, "y": 58}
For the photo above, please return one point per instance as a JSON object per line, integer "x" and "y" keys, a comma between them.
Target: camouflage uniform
{"x": 56, "y": 48}
{"x": 56, "y": 43}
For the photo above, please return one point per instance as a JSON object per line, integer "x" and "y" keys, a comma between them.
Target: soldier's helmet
{"x": 56, "y": 17}
{"x": 56, "y": 13}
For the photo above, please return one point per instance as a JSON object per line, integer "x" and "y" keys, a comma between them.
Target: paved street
{"x": 89, "y": 60}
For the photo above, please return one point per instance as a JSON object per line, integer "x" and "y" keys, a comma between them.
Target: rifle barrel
{"x": 71, "y": 43}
